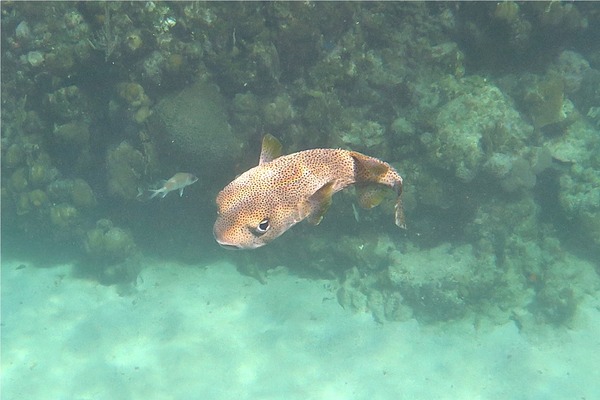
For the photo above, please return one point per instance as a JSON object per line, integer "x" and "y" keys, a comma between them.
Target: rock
{"x": 193, "y": 125}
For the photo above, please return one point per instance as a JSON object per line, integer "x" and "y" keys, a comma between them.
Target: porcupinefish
{"x": 178, "y": 182}
{"x": 265, "y": 201}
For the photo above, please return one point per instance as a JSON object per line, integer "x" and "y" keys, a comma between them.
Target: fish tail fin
{"x": 399, "y": 213}
{"x": 156, "y": 192}
{"x": 370, "y": 173}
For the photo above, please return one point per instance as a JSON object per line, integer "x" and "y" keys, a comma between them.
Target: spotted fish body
{"x": 267, "y": 200}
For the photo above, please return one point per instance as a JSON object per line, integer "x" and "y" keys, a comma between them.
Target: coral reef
{"x": 472, "y": 127}
{"x": 111, "y": 254}
{"x": 136, "y": 101}
{"x": 125, "y": 167}
{"x": 490, "y": 111}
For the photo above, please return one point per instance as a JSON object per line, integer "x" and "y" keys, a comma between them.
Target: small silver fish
{"x": 178, "y": 182}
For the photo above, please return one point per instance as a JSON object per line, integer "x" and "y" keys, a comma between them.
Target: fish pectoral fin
{"x": 370, "y": 194}
{"x": 317, "y": 205}
{"x": 271, "y": 149}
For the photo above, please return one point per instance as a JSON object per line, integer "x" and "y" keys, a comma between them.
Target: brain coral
{"x": 193, "y": 123}
{"x": 471, "y": 127}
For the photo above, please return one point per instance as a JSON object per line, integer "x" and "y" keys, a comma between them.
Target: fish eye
{"x": 262, "y": 227}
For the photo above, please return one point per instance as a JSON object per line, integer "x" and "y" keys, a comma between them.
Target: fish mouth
{"x": 226, "y": 245}
{"x": 229, "y": 246}
{"x": 232, "y": 245}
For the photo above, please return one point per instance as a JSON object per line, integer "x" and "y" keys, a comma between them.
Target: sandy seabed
{"x": 211, "y": 333}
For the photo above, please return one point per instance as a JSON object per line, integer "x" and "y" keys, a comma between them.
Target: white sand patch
{"x": 210, "y": 333}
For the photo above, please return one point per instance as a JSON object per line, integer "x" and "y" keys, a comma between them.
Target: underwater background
{"x": 489, "y": 111}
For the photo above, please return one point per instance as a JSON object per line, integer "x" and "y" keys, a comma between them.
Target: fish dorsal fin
{"x": 271, "y": 149}
{"x": 316, "y": 205}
